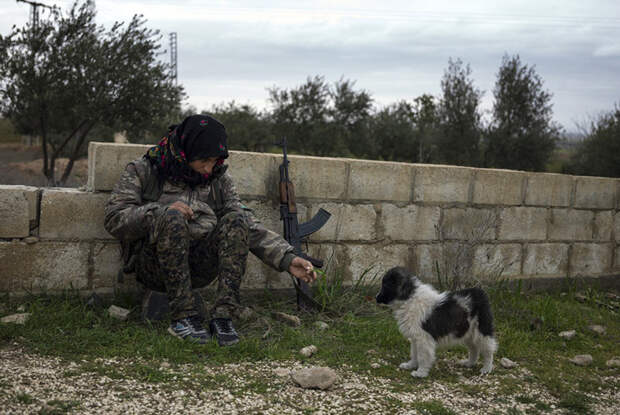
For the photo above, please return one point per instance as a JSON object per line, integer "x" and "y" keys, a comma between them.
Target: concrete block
{"x": 523, "y": 223}
{"x": 617, "y": 258}
{"x": 255, "y": 174}
{"x": 43, "y": 266}
{"x": 330, "y": 231}
{"x": 376, "y": 180}
{"x": 268, "y": 213}
{"x": 590, "y": 259}
{"x": 617, "y": 227}
{"x": 426, "y": 260}
{"x": 469, "y": 223}
{"x": 603, "y": 225}
{"x": 544, "y": 189}
{"x": 498, "y": 187}
{"x": 347, "y": 223}
{"x": 410, "y": 223}
{"x": 107, "y": 161}
{"x": 545, "y": 260}
{"x": 442, "y": 184}
{"x": 317, "y": 177}
{"x": 495, "y": 261}
{"x": 595, "y": 192}
{"x": 375, "y": 259}
{"x": 72, "y": 214}
{"x": 570, "y": 225}
{"x": 106, "y": 264}
{"x": 18, "y": 208}
{"x": 256, "y": 274}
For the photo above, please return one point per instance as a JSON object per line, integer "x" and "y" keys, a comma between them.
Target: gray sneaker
{"x": 189, "y": 328}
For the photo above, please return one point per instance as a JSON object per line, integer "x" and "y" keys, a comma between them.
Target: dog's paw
{"x": 466, "y": 363}
{"x": 486, "y": 370}
{"x": 408, "y": 365}
{"x": 419, "y": 373}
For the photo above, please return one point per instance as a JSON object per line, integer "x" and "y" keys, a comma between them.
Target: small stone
{"x": 315, "y": 377}
{"x": 567, "y": 334}
{"x": 371, "y": 351}
{"x": 21, "y": 308}
{"x": 615, "y": 362}
{"x": 375, "y": 365}
{"x": 118, "y": 313}
{"x": 31, "y": 240}
{"x": 165, "y": 365}
{"x": 287, "y": 318}
{"x": 582, "y": 359}
{"x": 16, "y": 318}
{"x": 581, "y": 298}
{"x": 597, "y": 329}
{"x": 308, "y": 350}
{"x": 507, "y": 363}
{"x": 321, "y": 325}
{"x": 282, "y": 372}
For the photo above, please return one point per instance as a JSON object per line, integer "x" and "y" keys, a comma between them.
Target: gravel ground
{"x": 35, "y": 384}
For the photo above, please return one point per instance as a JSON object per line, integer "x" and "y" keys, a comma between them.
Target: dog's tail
{"x": 480, "y": 308}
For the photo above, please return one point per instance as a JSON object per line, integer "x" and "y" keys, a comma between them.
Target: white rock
{"x": 597, "y": 329}
{"x": 507, "y": 363}
{"x": 582, "y": 359}
{"x": 118, "y": 313}
{"x": 16, "y": 318}
{"x": 315, "y": 377}
{"x": 321, "y": 325}
{"x": 567, "y": 334}
{"x": 615, "y": 362}
{"x": 308, "y": 350}
{"x": 375, "y": 365}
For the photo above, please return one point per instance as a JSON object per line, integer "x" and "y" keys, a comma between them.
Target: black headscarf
{"x": 197, "y": 137}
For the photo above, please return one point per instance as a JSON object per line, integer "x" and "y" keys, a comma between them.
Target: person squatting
{"x": 182, "y": 226}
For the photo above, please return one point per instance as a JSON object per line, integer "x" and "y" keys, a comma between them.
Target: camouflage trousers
{"x": 172, "y": 262}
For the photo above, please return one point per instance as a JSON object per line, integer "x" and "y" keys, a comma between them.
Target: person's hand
{"x": 302, "y": 269}
{"x": 183, "y": 208}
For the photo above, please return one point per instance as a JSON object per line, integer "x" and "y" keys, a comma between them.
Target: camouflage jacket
{"x": 138, "y": 198}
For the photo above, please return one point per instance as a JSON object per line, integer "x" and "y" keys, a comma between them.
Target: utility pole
{"x": 173, "y": 56}
{"x": 34, "y": 12}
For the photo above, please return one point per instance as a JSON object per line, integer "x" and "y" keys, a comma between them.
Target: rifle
{"x": 295, "y": 232}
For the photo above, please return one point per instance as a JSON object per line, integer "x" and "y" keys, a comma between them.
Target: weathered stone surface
{"x": 20, "y": 318}
{"x": 426, "y": 259}
{"x": 268, "y": 212}
{"x": 570, "y": 225}
{"x": 255, "y": 174}
{"x": 603, "y": 225}
{"x": 617, "y": 226}
{"x": 469, "y": 223}
{"x": 507, "y": 363}
{"x": 410, "y": 223}
{"x": 257, "y": 274}
{"x": 118, "y": 313}
{"x": 590, "y": 259}
{"x": 545, "y": 189}
{"x": 498, "y": 187}
{"x": 287, "y": 318}
{"x": 597, "y": 328}
{"x": 317, "y": 177}
{"x": 491, "y": 261}
{"x": 569, "y": 334}
{"x": 595, "y": 192}
{"x": 545, "y": 259}
{"x": 308, "y": 350}
{"x": 523, "y": 223}
{"x": 441, "y": 184}
{"x": 106, "y": 264}
{"x": 378, "y": 181}
{"x": 371, "y": 260}
{"x": 107, "y": 161}
{"x": 44, "y": 266}
{"x": 582, "y": 360}
{"x": 315, "y": 377}
{"x": 613, "y": 362}
{"x": 18, "y": 206}
{"x": 72, "y": 214}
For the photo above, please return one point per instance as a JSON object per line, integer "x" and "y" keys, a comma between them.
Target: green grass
{"x": 66, "y": 327}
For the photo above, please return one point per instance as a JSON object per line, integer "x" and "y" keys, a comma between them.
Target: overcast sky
{"x": 235, "y": 50}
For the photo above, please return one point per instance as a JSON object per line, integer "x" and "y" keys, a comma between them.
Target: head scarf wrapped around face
{"x": 197, "y": 137}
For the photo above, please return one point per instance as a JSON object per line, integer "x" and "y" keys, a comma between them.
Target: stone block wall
{"x": 528, "y": 225}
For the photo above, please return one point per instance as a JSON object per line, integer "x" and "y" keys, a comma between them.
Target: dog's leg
{"x": 413, "y": 355}
{"x": 425, "y": 348}
{"x": 487, "y": 349}
{"x": 474, "y": 351}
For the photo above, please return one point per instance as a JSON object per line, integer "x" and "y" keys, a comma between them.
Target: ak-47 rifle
{"x": 295, "y": 232}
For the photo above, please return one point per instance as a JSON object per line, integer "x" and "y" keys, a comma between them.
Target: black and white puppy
{"x": 430, "y": 319}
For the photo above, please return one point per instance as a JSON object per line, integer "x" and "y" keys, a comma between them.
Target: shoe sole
{"x": 228, "y": 343}
{"x": 202, "y": 340}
